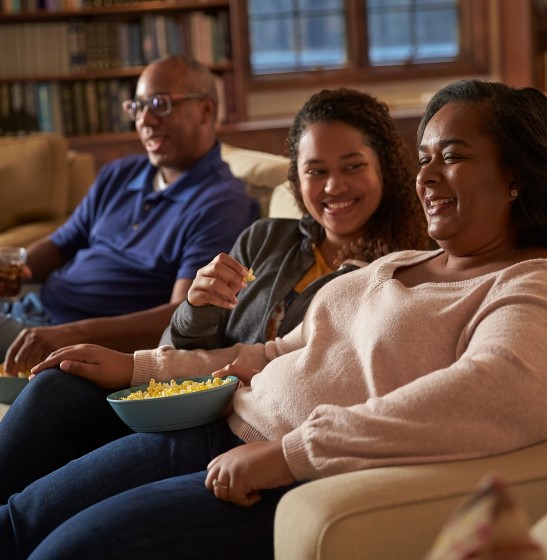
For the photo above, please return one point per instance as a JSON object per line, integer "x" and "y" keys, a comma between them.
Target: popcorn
{"x": 20, "y": 374}
{"x": 250, "y": 276}
{"x": 158, "y": 390}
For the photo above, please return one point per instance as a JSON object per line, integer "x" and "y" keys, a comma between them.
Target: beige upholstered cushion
{"x": 81, "y": 174}
{"x": 33, "y": 179}
{"x": 262, "y": 172}
{"x": 539, "y": 533}
{"x": 26, "y": 234}
{"x": 283, "y": 204}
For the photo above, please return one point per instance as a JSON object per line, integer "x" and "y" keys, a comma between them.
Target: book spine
{"x": 92, "y": 107}
{"x": 17, "y": 109}
{"x": 105, "y": 124}
{"x": 29, "y": 92}
{"x": 67, "y": 107}
{"x": 80, "y": 112}
{"x": 43, "y": 102}
{"x": 5, "y": 103}
{"x": 56, "y": 111}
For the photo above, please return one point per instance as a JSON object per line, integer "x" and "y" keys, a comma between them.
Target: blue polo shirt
{"x": 127, "y": 244}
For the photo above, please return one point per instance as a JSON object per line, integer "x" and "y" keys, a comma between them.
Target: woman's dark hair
{"x": 399, "y": 221}
{"x": 517, "y": 121}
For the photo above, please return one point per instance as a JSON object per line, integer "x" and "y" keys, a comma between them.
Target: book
{"x": 67, "y": 107}
{"x": 31, "y": 110}
{"x": 92, "y": 107}
{"x": 79, "y": 108}
{"x": 75, "y": 56}
{"x": 17, "y": 109}
{"x": 45, "y": 108}
{"x": 149, "y": 39}
{"x": 103, "y": 102}
{"x": 5, "y": 103}
{"x": 136, "y": 54}
{"x": 56, "y": 111}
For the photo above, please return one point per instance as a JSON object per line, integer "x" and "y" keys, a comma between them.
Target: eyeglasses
{"x": 160, "y": 104}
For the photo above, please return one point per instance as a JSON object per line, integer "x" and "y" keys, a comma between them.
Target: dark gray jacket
{"x": 279, "y": 251}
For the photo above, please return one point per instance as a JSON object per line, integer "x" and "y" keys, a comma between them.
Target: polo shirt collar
{"x": 186, "y": 184}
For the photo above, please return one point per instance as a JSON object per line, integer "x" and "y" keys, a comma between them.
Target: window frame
{"x": 474, "y": 58}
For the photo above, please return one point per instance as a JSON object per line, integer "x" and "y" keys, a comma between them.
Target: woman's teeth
{"x": 336, "y": 205}
{"x": 438, "y": 202}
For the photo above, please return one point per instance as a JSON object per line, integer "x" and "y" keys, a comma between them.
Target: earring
{"x": 514, "y": 193}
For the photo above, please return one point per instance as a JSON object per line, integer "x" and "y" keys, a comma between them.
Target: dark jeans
{"x": 140, "y": 496}
{"x": 56, "y": 418}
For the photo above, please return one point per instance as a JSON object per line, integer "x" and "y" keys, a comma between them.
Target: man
{"x": 116, "y": 270}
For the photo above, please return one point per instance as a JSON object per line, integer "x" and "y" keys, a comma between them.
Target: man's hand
{"x": 106, "y": 368}
{"x": 218, "y": 283}
{"x": 34, "y": 344}
{"x": 238, "y": 475}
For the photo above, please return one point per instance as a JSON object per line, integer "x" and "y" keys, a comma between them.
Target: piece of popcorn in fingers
{"x": 250, "y": 276}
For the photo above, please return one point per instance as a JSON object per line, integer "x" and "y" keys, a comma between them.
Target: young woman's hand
{"x": 218, "y": 283}
{"x": 106, "y": 368}
{"x": 239, "y": 474}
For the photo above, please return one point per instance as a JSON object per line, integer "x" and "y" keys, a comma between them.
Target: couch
{"x": 41, "y": 182}
{"x": 380, "y": 514}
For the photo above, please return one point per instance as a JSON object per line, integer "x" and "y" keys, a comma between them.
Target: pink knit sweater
{"x": 380, "y": 374}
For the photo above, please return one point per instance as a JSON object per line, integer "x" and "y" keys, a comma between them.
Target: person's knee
{"x": 55, "y": 388}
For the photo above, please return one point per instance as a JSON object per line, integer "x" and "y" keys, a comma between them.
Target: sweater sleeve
{"x": 166, "y": 363}
{"x": 205, "y": 327}
{"x": 491, "y": 400}
{"x": 196, "y": 327}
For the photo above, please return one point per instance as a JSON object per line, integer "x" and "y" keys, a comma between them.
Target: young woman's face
{"x": 340, "y": 179}
{"x": 462, "y": 184}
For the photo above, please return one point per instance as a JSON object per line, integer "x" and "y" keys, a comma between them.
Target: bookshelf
{"x": 66, "y": 65}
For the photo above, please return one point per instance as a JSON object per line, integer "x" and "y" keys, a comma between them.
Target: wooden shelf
{"x": 126, "y": 9}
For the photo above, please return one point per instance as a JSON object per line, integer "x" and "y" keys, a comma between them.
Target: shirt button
{"x": 147, "y": 206}
{"x": 135, "y": 227}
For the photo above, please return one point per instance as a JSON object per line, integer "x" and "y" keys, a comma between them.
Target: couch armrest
{"x": 396, "y": 512}
{"x": 81, "y": 173}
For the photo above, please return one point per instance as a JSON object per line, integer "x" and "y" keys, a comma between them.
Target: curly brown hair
{"x": 399, "y": 222}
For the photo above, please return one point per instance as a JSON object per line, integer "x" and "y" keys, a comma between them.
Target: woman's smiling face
{"x": 462, "y": 184}
{"x": 340, "y": 179}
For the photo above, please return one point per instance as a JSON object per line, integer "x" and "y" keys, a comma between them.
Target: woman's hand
{"x": 238, "y": 475}
{"x": 244, "y": 374}
{"x": 218, "y": 283}
{"x": 106, "y": 368}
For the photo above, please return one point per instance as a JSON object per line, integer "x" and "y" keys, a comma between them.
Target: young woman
{"x": 420, "y": 356}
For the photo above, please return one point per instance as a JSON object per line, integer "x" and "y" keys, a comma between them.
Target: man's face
{"x": 173, "y": 142}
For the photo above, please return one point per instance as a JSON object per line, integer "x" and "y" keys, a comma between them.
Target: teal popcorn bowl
{"x": 163, "y": 414}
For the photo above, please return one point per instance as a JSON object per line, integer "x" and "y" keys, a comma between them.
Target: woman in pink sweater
{"x": 418, "y": 357}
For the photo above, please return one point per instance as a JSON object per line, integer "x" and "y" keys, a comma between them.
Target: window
{"x": 364, "y": 39}
{"x": 295, "y": 35}
{"x": 410, "y": 31}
